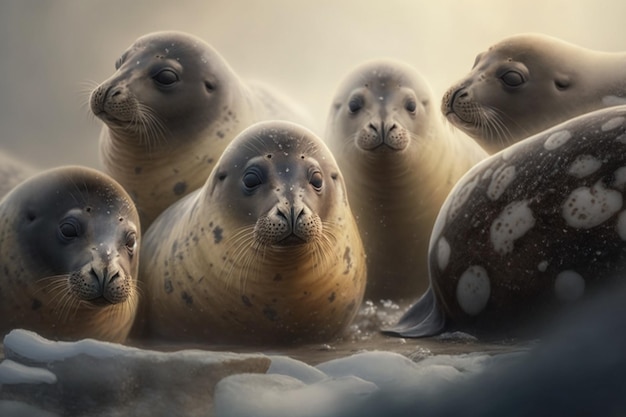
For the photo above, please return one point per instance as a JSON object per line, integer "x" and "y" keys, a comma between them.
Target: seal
{"x": 400, "y": 158}
{"x": 69, "y": 256}
{"x": 266, "y": 252}
{"x": 169, "y": 111}
{"x": 527, "y": 83}
{"x": 529, "y": 231}
{"x": 12, "y": 172}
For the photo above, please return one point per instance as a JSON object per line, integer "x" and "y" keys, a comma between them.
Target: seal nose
{"x": 383, "y": 130}
{"x": 451, "y": 97}
{"x": 104, "y": 277}
{"x": 290, "y": 217}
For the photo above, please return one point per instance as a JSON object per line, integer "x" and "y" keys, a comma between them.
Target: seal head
{"x": 69, "y": 243}
{"x": 529, "y": 82}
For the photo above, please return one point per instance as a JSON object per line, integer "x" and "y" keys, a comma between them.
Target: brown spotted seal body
{"x": 528, "y": 231}
{"x": 527, "y": 83}
{"x": 400, "y": 159}
{"x": 69, "y": 256}
{"x": 169, "y": 110}
{"x": 12, "y": 172}
{"x": 266, "y": 252}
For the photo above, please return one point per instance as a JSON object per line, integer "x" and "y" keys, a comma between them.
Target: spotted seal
{"x": 69, "y": 256}
{"x": 529, "y": 230}
{"x": 527, "y": 83}
{"x": 266, "y": 252}
{"x": 400, "y": 158}
{"x": 170, "y": 109}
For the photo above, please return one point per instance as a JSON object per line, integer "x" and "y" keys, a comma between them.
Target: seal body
{"x": 169, "y": 110}
{"x": 266, "y": 252}
{"x": 12, "y": 172}
{"x": 529, "y": 82}
{"x": 400, "y": 159}
{"x": 528, "y": 231}
{"x": 69, "y": 256}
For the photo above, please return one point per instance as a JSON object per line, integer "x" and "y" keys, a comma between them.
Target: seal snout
{"x": 289, "y": 225}
{"x": 383, "y": 135}
{"x": 100, "y": 283}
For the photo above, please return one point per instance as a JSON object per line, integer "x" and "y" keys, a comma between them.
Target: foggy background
{"x": 53, "y": 52}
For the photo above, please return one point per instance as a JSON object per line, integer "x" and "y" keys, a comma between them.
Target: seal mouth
{"x": 291, "y": 240}
{"x": 100, "y": 302}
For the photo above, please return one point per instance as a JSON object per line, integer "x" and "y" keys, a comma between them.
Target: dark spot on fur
{"x": 220, "y": 134}
{"x": 36, "y": 304}
{"x": 332, "y": 297}
{"x": 209, "y": 160}
{"x": 270, "y": 313}
{"x": 217, "y": 234}
{"x": 348, "y": 260}
{"x": 246, "y": 300}
{"x": 168, "y": 287}
{"x": 278, "y": 277}
{"x": 180, "y": 187}
{"x": 188, "y": 299}
{"x": 138, "y": 170}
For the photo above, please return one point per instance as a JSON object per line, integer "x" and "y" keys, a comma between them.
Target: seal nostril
{"x": 371, "y": 126}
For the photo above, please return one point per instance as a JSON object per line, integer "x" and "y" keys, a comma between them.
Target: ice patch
{"x": 515, "y": 220}
{"x": 609, "y": 101}
{"x": 281, "y": 395}
{"x": 584, "y": 165}
{"x": 569, "y": 286}
{"x": 460, "y": 197}
{"x": 619, "y": 178}
{"x": 14, "y": 373}
{"x": 473, "y": 290}
{"x": 589, "y": 207}
{"x": 284, "y": 365}
{"x": 614, "y": 123}
{"x": 557, "y": 140}
{"x": 443, "y": 253}
{"x": 502, "y": 178}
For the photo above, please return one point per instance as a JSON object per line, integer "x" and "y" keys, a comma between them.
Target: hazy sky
{"x": 51, "y": 52}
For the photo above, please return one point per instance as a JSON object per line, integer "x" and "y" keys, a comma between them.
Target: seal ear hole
{"x": 334, "y": 176}
{"x": 301, "y": 156}
{"x": 210, "y": 87}
{"x": 30, "y": 216}
{"x": 88, "y": 209}
{"x": 562, "y": 84}
{"x": 268, "y": 156}
{"x": 221, "y": 176}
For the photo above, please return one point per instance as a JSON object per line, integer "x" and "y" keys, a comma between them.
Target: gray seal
{"x": 69, "y": 256}
{"x": 400, "y": 158}
{"x": 170, "y": 109}
{"x": 527, "y": 83}
{"x": 266, "y": 252}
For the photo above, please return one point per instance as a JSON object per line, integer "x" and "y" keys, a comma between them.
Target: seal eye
{"x": 317, "y": 180}
{"x": 512, "y": 78}
{"x": 355, "y": 104}
{"x": 131, "y": 242}
{"x": 252, "y": 179}
{"x": 69, "y": 229}
{"x": 166, "y": 77}
{"x": 410, "y": 106}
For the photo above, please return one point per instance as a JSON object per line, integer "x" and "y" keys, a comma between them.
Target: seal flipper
{"x": 424, "y": 318}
